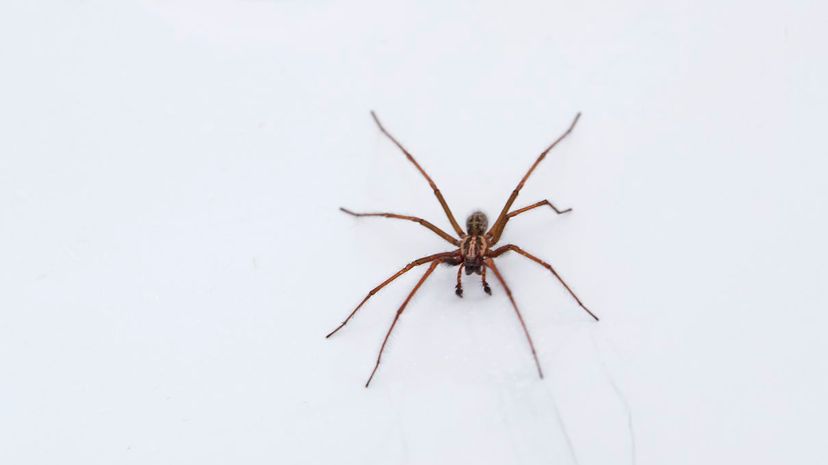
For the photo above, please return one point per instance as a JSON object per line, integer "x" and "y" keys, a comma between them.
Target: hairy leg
{"x": 497, "y": 228}
{"x": 532, "y": 207}
{"x": 397, "y": 316}
{"x": 511, "y": 247}
{"x": 406, "y": 268}
{"x": 423, "y": 222}
{"x": 431, "y": 183}
{"x": 536, "y": 205}
{"x": 490, "y": 264}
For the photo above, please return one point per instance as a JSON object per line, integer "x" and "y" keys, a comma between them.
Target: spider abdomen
{"x": 477, "y": 223}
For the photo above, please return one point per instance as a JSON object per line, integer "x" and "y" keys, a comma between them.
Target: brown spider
{"x": 474, "y": 251}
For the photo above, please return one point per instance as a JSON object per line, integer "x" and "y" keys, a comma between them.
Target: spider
{"x": 474, "y": 253}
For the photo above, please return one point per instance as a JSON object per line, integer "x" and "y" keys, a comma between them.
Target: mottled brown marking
{"x": 477, "y": 223}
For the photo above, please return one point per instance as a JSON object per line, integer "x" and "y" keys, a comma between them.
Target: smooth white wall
{"x": 171, "y": 253}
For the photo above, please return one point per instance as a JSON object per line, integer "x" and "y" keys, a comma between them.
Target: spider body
{"x": 473, "y": 251}
{"x": 474, "y": 246}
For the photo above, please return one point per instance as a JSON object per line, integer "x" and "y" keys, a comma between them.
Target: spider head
{"x": 477, "y": 223}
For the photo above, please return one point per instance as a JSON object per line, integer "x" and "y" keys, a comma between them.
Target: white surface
{"x": 172, "y": 253}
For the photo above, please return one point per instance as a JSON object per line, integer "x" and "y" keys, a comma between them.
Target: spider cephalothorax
{"x": 474, "y": 246}
{"x": 473, "y": 251}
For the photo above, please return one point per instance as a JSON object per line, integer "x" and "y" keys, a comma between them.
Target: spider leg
{"x": 428, "y": 272}
{"x": 406, "y": 268}
{"x": 459, "y": 288}
{"x": 497, "y": 228}
{"x": 517, "y": 212}
{"x": 490, "y": 264}
{"x": 511, "y": 247}
{"x": 423, "y": 222}
{"x": 536, "y": 205}
{"x": 431, "y": 183}
{"x": 486, "y": 288}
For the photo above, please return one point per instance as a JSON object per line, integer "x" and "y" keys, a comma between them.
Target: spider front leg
{"x": 511, "y": 247}
{"x": 406, "y": 268}
{"x": 490, "y": 264}
{"x": 399, "y": 312}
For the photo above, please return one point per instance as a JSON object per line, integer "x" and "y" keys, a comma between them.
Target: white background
{"x": 171, "y": 253}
